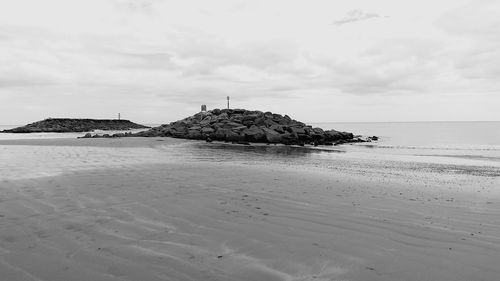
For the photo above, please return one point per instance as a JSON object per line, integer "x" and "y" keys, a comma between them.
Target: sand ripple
{"x": 141, "y": 213}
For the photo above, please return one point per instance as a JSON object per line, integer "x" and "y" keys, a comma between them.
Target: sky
{"x": 157, "y": 61}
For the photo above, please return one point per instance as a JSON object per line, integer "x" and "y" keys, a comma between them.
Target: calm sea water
{"x": 436, "y": 141}
{"x": 10, "y": 136}
{"x": 465, "y": 153}
{"x": 459, "y": 135}
{"x": 468, "y": 143}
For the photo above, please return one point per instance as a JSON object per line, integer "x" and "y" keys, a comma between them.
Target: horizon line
{"x": 316, "y": 122}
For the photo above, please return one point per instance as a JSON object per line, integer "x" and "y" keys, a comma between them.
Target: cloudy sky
{"x": 157, "y": 61}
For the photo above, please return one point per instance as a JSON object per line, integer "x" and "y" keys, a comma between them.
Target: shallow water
{"x": 456, "y": 148}
{"x": 23, "y": 136}
{"x": 452, "y": 135}
{"x": 476, "y": 143}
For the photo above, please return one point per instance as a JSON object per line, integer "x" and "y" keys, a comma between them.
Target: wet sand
{"x": 124, "y": 210}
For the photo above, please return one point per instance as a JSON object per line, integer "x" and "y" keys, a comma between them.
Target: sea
{"x": 452, "y": 148}
{"x": 477, "y": 140}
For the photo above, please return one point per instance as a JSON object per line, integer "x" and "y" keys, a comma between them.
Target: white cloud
{"x": 354, "y": 16}
{"x": 159, "y": 59}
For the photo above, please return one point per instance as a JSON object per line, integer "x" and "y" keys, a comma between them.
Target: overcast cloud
{"x": 157, "y": 61}
{"x": 354, "y": 16}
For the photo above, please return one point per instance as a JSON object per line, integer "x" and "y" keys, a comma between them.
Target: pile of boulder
{"x": 65, "y": 125}
{"x": 97, "y": 136}
{"x": 244, "y": 126}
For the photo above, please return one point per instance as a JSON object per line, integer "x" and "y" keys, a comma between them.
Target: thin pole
{"x": 119, "y": 116}
{"x": 227, "y": 102}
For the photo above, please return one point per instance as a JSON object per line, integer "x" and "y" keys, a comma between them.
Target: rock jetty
{"x": 65, "y": 125}
{"x": 244, "y": 126}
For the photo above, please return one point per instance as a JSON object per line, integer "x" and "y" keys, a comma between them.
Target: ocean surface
{"x": 20, "y": 136}
{"x": 459, "y": 140}
{"x": 465, "y": 147}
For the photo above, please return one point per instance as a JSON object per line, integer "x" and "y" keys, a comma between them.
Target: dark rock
{"x": 272, "y": 136}
{"x": 243, "y": 126}
{"x": 304, "y": 138}
{"x": 195, "y": 135}
{"x": 179, "y": 134}
{"x": 278, "y": 128}
{"x": 220, "y": 134}
{"x": 222, "y": 116}
{"x": 250, "y": 117}
{"x": 318, "y": 131}
{"x": 207, "y": 120}
{"x": 297, "y": 130}
{"x": 254, "y": 134}
{"x": 207, "y": 131}
{"x": 234, "y": 126}
{"x": 259, "y": 121}
{"x": 270, "y": 123}
{"x": 332, "y": 135}
{"x": 234, "y": 136}
{"x": 289, "y": 138}
{"x": 65, "y": 125}
{"x": 238, "y": 111}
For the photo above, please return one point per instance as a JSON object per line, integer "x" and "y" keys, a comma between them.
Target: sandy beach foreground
{"x": 131, "y": 210}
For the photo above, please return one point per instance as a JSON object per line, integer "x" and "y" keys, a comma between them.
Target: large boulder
{"x": 195, "y": 134}
{"x": 278, "y": 128}
{"x": 332, "y": 135}
{"x": 220, "y": 134}
{"x": 296, "y": 130}
{"x": 254, "y": 134}
{"x": 222, "y": 116}
{"x": 206, "y": 121}
{"x": 234, "y": 136}
{"x": 272, "y": 136}
{"x": 234, "y": 126}
{"x": 207, "y": 131}
{"x": 317, "y": 134}
{"x": 289, "y": 138}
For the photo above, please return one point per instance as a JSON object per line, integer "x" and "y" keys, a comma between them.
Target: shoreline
{"x": 131, "y": 210}
{"x": 469, "y": 164}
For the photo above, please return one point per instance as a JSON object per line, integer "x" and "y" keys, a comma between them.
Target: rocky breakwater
{"x": 243, "y": 126}
{"x": 65, "y": 125}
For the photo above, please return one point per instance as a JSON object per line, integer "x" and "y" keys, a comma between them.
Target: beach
{"x": 168, "y": 209}
{"x": 168, "y": 140}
